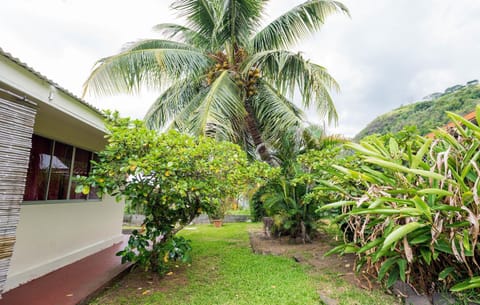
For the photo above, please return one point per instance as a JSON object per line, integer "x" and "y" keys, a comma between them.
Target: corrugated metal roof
{"x": 471, "y": 117}
{"x": 43, "y": 77}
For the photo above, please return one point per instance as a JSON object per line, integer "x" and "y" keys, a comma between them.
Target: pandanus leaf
{"x": 472, "y": 283}
{"x": 388, "y": 211}
{"x": 386, "y": 265}
{"x": 401, "y": 168}
{"x": 336, "y": 205}
{"x": 459, "y": 121}
{"x": 399, "y": 232}
{"x": 434, "y": 191}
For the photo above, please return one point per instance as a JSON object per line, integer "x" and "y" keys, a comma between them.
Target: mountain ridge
{"x": 428, "y": 114}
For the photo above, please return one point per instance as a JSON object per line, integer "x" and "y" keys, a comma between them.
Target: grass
{"x": 225, "y": 271}
{"x": 335, "y": 287}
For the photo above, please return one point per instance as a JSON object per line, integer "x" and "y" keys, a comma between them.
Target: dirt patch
{"x": 312, "y": 254}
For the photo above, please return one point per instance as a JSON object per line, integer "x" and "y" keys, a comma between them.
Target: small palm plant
{"x": 224, "y": 75}
{"x": 286, "y": 197}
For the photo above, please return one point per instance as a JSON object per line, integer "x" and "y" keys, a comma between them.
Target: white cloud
{"x": 390, "y": 53}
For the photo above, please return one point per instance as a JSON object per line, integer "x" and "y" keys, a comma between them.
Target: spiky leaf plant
{"x": 418, "y": 219}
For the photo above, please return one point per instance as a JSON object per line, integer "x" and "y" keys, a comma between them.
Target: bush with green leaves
{"x": 257, "y": 209}
{"x": 288, "y": 197}
{"x": 284, "y": 202}
{"x": 325, "y": 184}
{"x": 418, "y": 220}
{"x": 173, "y": 177}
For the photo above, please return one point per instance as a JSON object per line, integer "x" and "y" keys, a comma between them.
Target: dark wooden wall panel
{"x": 16, "y": 128}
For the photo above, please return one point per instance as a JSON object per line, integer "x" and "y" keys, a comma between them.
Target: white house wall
{"x": 52, "y": 235}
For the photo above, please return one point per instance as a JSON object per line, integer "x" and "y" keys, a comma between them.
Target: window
{"x": 60, "y": 162}
{"x": 81, "y": 167}
{"x": 51, "y": 168}
{"x": 38, "y": 169}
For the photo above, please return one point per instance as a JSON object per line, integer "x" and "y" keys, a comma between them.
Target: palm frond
{"x": 240, "y": 18}
{"x": 182, "y": 121}
{"x": 296, "y": 24}
{"x": 172, "y": 101}
{"x": 220, "y": 110}
{"x": 183, "y": 34}
{"x": 202, "y": 15}
{"x": 334, "y": 140}
{"x": 314, "y": 137}
{"x": 288, "y": 147}
{"x": 274, "y": 112}
{"x": 291, "y": 73}
{"x": 244, "y": 139}
{"x": 148, "y": 63}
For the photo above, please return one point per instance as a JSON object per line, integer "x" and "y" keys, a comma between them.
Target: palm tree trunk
{"x": 254, "y": 132}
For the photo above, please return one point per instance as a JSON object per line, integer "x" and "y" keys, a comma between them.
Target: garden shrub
{"x": 257, "y": 208}
{"x": 283, "y": 200}
{"x": 291, "y": 197}
{"x": 326, "y": 185}
{"x": 173, "y": 177}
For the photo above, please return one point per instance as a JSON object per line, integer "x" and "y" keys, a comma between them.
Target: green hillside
{"x": 426, "y": 115}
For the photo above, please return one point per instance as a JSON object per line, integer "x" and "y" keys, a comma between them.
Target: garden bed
{"x": 333, "y": 268}
{"x": 312, "y": 254}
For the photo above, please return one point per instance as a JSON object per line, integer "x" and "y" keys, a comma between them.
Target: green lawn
{"x": 225, "y": 271}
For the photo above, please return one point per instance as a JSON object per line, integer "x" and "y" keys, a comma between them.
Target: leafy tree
{"x": 222, "y": 75}
{"x": 173, "y": 177}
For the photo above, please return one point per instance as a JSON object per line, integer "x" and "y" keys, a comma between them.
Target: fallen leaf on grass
{"x": 146, "y": 292}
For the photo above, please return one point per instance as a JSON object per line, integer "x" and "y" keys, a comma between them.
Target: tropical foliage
{"x": 418, "y": 217}
{"x": 320, "y": 172}
{"x": 173, "y": 177}
{"x": 426, "y": 115}
{"x": 287, "y": 197}
{"x": 223, "y": 74}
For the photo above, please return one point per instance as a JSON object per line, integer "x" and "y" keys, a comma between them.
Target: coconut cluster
{"x": 251, "y": 82}
{"x": 247, "y": 82}
{"x": 221, "y": 65}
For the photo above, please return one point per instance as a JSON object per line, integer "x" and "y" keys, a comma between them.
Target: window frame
{"x": 45, "y": 199}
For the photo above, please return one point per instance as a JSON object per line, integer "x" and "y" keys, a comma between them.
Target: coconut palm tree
{"x": 224, "y": 75}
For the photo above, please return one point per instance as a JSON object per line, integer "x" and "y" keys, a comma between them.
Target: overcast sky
{"x": 391, "y": 52}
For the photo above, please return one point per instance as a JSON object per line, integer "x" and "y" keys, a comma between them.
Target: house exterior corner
{"x": 48, "y": 137}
